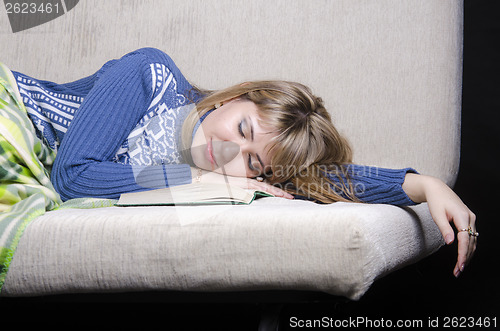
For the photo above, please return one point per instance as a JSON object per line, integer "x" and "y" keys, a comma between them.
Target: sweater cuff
{"x": 179, "y": 174}
{"x": 155, "y": 177}
{"x": 380, "y": 185}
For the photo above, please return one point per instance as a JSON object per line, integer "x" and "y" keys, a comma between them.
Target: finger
{"x": 472, "y": 218}
{"x": 276, "y": 191}
{"x": 462, "y": 220}
{"x": 444, "y": 226}
{"x": 471, "y": 249}
{"x": 472, "y": 239}
{"x": 463, "y": 249}
{"x": 279, "y": 192}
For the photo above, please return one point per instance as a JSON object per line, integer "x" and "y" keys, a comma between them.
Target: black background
{"x": 424, "y": 290}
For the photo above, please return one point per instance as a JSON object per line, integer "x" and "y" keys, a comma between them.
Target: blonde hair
{"x": 307, "y": 145}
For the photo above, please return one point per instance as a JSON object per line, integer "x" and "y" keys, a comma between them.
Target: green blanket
{"x": 25, "y": 188}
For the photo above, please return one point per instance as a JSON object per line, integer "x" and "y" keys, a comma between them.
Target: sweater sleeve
{"x": 378, "y": 185}
{"x": 112, "y": 108}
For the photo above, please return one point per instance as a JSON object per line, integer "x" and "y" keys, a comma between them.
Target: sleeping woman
{"x": 138, "y": 124}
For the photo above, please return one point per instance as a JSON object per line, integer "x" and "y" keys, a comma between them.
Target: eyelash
{"x": 240, "y": 130}
{"x": 250, "y": 163}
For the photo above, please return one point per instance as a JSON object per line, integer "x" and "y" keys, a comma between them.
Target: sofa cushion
{"x": 271, "y": 244}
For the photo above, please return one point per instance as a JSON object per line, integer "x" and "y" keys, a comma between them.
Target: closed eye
{"x": 249, "y": 159}
{"x": 240, "y": 129}
{"x": 250, "y": 165}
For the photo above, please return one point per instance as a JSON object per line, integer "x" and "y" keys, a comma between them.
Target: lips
{"x": 210, "y": 153}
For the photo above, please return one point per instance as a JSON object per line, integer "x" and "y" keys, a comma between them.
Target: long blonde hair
{"x": 307, "y": 145}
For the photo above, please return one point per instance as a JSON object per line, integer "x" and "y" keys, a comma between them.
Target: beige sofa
{"x": 389, "y": 71}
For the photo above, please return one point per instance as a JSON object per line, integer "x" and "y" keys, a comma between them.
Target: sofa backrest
{"x": 389, "y": 71}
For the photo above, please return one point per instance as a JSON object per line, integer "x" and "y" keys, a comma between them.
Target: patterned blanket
{"x": 25, "y": 188}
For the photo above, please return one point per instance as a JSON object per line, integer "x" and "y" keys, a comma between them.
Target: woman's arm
{"x": 119, "y": 99}
{"x": 445, "y": 207}
{"x": 404, "y": 187}
{"x": 374, "y": 184}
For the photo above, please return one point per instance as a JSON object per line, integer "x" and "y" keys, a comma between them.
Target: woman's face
{"x": 231, "y": 141}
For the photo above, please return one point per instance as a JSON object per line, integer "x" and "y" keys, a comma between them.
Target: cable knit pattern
{"x": 115, "y": 99}
{"x": 156, "y": 137}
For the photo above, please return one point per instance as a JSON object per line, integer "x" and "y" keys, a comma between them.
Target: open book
{"x": 192, "y": 194}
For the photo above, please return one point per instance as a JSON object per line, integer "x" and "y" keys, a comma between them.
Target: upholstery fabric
{"x": 338, "y": 249}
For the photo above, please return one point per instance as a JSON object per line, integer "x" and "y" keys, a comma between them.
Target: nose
{"x": 225, "y": 151}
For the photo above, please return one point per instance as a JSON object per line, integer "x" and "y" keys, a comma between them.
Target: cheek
{"x": 218, "y": 127}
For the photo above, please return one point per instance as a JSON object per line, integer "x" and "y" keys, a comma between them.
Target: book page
{"x": 196, "y": 193}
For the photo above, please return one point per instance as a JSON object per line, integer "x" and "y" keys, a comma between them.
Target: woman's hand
{"x": 445, "y": 207}
{"x": 243, "y": 182}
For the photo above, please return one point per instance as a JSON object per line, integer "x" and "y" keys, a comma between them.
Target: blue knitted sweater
{"x": 125, "y": 129}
